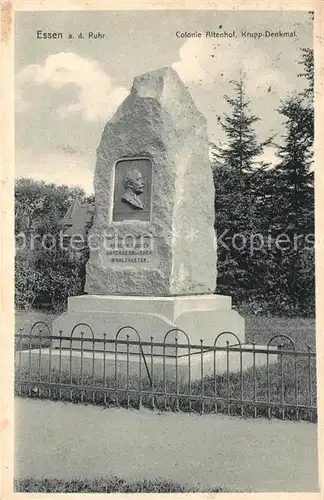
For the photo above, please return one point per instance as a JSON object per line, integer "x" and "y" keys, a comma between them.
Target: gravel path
{"x": 65, "y": 441}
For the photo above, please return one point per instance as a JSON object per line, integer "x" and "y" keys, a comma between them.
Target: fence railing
{"x": 269, "y": 381}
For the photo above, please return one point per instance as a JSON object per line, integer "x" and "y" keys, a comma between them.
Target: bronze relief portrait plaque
{"x": 132, "y": 189}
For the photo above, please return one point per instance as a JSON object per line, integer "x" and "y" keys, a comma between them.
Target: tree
{"x": 307, "y": 61}
{"x": 293, "y": 177}
{"x": 46, "y": 274}
{"x": 238, "y": 175}
{"x": 290, "y": 202}
{"x": 40, "y": 206}
{"x": 242, "y": 146}
{"x": 276, "y": 202}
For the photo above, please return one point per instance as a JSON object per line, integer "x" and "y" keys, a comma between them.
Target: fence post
{"x": 268, "y": 383}
{"x": 29, "y": 363}
{"x": 282, "y": 397}
{"x": 60, "y": 365}
{"x": 241, "y": 382}
{"x": 227, "y": 376}
{"x": 127, "y": 369}
{"x": 189, "y": 376}
{"x": 71, "y": 390}
{"x": 19, "y": 359}
{"x": 93, "y": 369}
{"x": 50, "y": 368}
{"x": 296, "y": 384}
{"x": 215, "y": 380}
{"x": 152, "y": 375}
{"x": 255, "y": 411}
{"x": 176, "y": 374}
{"x": 310, "y": 380}
{"x": 164, "y": 376}
{"x": 140, "y": 373}
{"x": 116, "y": 373}
{"x": 39, "y": 360}
{"x": 104, "y": 368}
{"x": 202, "y": 376}
{"x": 81, "y": 367}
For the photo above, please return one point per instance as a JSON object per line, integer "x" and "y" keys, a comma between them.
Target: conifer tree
{"x": 237, "y": 175}
{"x": 242, "y": 146}
{"x": 293, "y": 176}
{"x": 292, "y": 200}
{"x": 307, "y": 61}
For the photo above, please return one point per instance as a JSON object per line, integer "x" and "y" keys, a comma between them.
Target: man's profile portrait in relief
{"x": 134, "y": 187}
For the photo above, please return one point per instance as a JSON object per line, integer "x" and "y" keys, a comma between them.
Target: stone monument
{"x": 152, "y": 244}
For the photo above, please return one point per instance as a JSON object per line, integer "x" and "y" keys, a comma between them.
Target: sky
{"x": 67, "y": 89}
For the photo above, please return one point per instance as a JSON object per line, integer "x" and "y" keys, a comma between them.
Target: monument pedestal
{"x": 199, "y": 316}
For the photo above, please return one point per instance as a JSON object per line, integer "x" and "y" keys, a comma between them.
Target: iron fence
{"x": 228, "y": 376}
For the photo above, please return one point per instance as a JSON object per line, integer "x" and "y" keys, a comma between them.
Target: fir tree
{"x": 307, "y": 61}
{"x": 293, "y": 177}
{"x": 242, "y": 146}
{"x": 292, "y": 201}
{"x": 237, "y": 175}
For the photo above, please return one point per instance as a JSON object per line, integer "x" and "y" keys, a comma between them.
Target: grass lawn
{"x": 262, "y": 328}
{"x": 104, "y": 485}
{"x": 25, "y": 319}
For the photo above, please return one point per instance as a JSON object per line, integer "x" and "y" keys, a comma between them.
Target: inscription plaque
{"x": 131, "y": 251}
{"x": 132, "y": 189}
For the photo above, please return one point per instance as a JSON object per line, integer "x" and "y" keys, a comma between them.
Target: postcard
{"x": 160, "y": 182}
